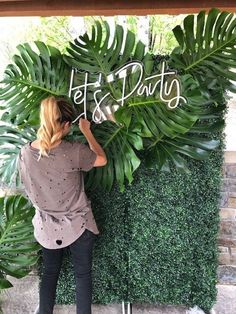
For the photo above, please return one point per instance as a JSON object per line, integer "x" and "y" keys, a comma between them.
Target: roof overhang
{"x": 109, "y": 7}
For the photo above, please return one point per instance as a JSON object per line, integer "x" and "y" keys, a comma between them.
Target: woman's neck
{"x": 35, "y": 144}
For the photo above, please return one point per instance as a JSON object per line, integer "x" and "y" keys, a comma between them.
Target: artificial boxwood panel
{"x": 158, "y": 238}
{"x": 174, "y": 220}
{"x": 158, "y": 241}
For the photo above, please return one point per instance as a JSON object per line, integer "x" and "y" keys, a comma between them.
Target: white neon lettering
{"x": 124, "y": 81}
{"x": 165, "y": 83}
{"x": 97, "y": 108}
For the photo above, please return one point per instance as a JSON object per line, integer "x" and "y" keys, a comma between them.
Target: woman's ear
{"x": 66, "y": 127}
{"x": 67, "y": 124}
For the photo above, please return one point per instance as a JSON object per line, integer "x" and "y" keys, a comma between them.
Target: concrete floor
{"x": 23, "y": 299}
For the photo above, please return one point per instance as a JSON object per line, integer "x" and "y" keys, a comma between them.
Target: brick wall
{"x": 227, "y": 236}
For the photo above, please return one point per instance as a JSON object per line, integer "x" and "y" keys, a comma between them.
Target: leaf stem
{"x": 209, "y": 54}
{"x": 113, "y": 135}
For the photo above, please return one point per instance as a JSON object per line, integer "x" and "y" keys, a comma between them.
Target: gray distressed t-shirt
{"x": 55, "y": 186}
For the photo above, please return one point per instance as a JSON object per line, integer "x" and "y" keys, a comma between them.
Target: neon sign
{"x": 169, "y": 89}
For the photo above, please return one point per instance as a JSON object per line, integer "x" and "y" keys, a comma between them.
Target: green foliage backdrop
{"x": 158, "y": 237}
{"x": 203, "y": 63}
{"x": 158, "y": 241}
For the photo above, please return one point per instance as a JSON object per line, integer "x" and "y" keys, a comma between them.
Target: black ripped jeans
{"x": 81, "y": 252}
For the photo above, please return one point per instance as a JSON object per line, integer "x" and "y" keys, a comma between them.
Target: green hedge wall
{"x": 158, "y": 241}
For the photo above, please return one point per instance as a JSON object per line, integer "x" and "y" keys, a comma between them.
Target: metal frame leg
{"x": 129, "y": 308}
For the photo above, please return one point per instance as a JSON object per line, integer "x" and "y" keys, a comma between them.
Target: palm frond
{"x": 140, "y": 122}
{"x": 12, "y": 138}
{"x": 32, "y": 77}
{"x": 207, "y": 45}
{"x": 119, "y": 145}
{"x": 196, "y": 142}
{"x": 18, "y": 247}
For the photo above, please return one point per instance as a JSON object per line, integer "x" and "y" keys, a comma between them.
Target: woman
{"x": 51, "y": 170}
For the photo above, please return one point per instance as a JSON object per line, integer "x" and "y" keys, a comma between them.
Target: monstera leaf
{"x": 12, "y": 138}
{"x": 160, "y": 151}
{"x": 18, "y": 249}
{"x": 207, "y": 47}
{"x": 94, "y": 54}
{"x": 32, "y": 77}
{"x": 161, "y": 130}
{"x": 119, "y": 145}
{"x": 140, "y": 121}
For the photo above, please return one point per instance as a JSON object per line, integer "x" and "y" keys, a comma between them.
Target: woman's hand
{"x": 84, "y": 125}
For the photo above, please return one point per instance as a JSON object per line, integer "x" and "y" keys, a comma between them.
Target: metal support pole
{"x": 126, "y": 308}
{"x": 123, "y": 307}
{"x": 129, "y": 307}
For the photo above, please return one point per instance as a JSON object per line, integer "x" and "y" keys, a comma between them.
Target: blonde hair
{"x": 53, "y": 112}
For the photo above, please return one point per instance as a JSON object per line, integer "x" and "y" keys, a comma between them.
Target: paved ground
{"x": 23, "y": 299}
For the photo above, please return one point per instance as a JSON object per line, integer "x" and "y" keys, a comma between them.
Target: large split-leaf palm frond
{"x": 207, "y": 47}
{"x": 140, "y": 122}
{"x": 12, "y": 138}
{"x": 145, "y": 117}
{"x": 32, "y": 77}
{"x": 95, "y": 54}
{"x": 194, "y": 143}
{"x": 119, "y": 145}
{"x": 18, "y": 248}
